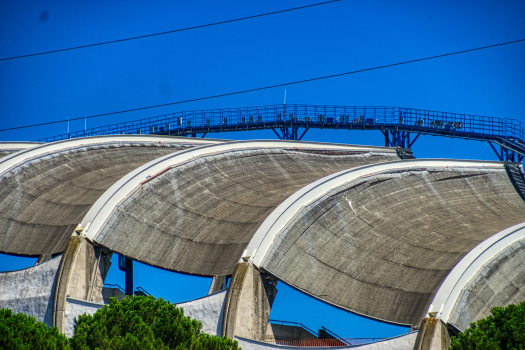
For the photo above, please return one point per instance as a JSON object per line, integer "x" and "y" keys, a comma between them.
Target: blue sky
{"x": 318, "y": 41}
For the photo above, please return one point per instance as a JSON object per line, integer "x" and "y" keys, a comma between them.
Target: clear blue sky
{"x": 323, "y": 40}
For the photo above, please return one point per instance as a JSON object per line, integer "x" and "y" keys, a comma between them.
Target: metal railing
{"x": 297, "y": 324}
{"x": 320, "y": 342}
{"x": 115, "y": 286}
{"x": 140, "y": 289}
{"x": 334, "y": 335}
{"x": 326, "y": 342}
{"x": 511, "y": 132}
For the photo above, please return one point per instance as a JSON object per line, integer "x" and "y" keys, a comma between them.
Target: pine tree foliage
{"x": 504, "y": 329}
{"x": 143, "y": 322}
{"x": 19, "y": 331}
{"x": 136, "y": 323}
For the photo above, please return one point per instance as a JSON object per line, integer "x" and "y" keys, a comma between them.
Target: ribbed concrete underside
{"x": 500, "y": 283}
{"x": 199, "y": 217}
{"x": 382, "y": 245}
{"x": 42, "y": 200}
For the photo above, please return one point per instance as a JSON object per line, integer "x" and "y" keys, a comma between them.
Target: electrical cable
{"x": 168, "y": 32}
{"x": 268, "y": 87}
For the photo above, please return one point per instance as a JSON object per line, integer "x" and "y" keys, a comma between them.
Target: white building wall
{"x": 30, "y": 291}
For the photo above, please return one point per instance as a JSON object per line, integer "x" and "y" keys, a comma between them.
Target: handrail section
{"x": 326, "y": 342}
{"x": 140, "y": 289}
{"x": 297, "y": 324}
{"x": 507, "y": 133}
{"x": 115, "y": 286}
{"x": 335, "y": 335}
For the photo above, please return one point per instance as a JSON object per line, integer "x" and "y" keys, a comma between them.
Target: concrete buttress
{"x": 217, "y": 284}
{"x": 433, "y": 335}
{"x": 248, "y": 303}
{"x": 81, "y": 275}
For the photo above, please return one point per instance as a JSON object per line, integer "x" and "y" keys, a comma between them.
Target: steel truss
{"x": 401, "y": 127}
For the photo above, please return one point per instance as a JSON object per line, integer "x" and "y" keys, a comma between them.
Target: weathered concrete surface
{"x": 30, "y": 291}
{"x": 432, "y": 335}
{"x": 208, "y": 310}
{"x": 90, "y": 268}
{"x": 75, "y": 308}
{"x": 382, "y": 244}
{"x": 46, "y": 190}
{"x": 217, "y": 284}
{"x": 81, "y": 275}
{"x": 248, "y": 304}
{"x": 198, "y": 217}
{"x": 404, "y": 342}
{"x": 499, "y": 283}
{"x": 469, "y": 268}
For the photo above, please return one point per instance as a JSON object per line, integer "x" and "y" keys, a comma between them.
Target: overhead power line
{"x": 169, "y": 32}
{"x": 269, "y": 87}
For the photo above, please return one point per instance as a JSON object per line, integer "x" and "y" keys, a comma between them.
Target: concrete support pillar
{"x": 42, "y": 258}
{"x": 433, "y": 335}
{"x": 218, "y": 283}
{"x": 248, "y": 303}
{"x": 81, "y": 275}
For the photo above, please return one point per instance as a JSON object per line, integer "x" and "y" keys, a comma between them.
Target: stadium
{"x": 431, "y": 244}
{"x": 331, "y": 174}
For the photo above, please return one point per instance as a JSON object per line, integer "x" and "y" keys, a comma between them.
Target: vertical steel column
{"x": 287, "y": 133}
{"x": 394, "y": 138}
{"x": 126, "y": 264}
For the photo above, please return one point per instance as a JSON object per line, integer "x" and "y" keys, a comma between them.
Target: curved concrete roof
{"x": 379, "y": 240}
{"x": 469, "y": 271}
{"x": 7, "y": 148}
{"x": 196, "y": 210}
{"x": 499, "y": 281}
{"x": 46, "y": 190}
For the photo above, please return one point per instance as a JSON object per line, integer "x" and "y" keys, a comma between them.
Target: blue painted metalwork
{"x": 126, "y": 264}
{"x": 140, "y": 289}
{"x": 401, "y": 126}
{"x": 296, "y": 324}
{"x": 108, "y": 285}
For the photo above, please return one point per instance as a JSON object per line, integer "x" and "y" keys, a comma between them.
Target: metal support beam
{"x": 395, "y": 138}
{"x": 276, "y": 133}
{"x": 506, "y": 155}
{"x": 304, "y": 132}
{"x": 126, "y": 264}
{"x": 287, "y": 133}
{"x": 495, "y": 151}
{"x": 412, "y": 142}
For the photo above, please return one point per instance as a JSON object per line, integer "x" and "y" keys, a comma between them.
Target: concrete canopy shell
{"x": 7, "y": 148}
{"x": 195, "y": 211}
{"x": 46, "y": 190}
{"x": 379, "y": 240}
{"x": 491, "y": 274}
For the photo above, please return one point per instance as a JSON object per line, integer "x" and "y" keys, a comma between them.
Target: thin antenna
{"x": 68, "y": 124}
{"x": 84, "y": 125}
{"x": 285, "y": 97}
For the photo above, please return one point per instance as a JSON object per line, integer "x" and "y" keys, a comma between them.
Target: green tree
{"x": 144, "y": 323}
{"x": 19, "y": 331}
{"x": 504, "y": 329}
